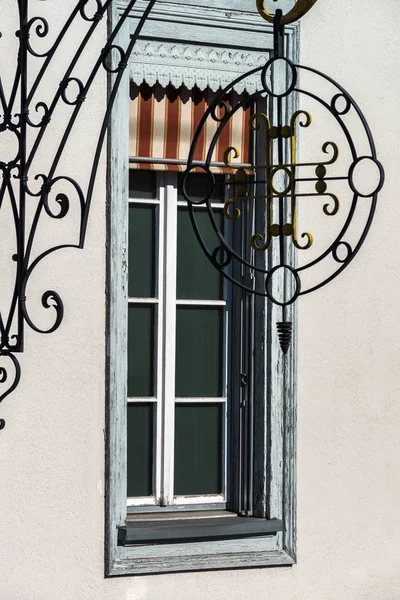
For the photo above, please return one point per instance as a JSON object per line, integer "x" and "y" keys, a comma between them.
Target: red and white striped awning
{"x": 163, "y": 122}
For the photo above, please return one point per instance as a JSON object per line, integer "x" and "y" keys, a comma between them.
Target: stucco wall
{"x": 52, "y": 449}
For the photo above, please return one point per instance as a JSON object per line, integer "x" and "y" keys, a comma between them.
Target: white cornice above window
{"x": 194, "y": 65}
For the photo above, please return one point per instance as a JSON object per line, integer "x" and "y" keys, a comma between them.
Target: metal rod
{"x": 181, "y": 161}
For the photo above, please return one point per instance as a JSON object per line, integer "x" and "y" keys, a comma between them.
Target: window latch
{"x": 243, "y": 379}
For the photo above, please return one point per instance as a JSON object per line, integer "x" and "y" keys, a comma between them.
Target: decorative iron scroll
{"x": 26, "y": 115}
{"x": 275, "y": 188}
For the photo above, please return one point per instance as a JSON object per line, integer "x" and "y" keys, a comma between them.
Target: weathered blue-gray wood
{"x": 116, "y": 294}
{"x": 167, "y": 530}
{"x": 278, "y": 375}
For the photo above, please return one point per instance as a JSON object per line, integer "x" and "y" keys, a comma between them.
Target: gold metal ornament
{"x": 286, "y": 171}
{"x": 299, "y": 10}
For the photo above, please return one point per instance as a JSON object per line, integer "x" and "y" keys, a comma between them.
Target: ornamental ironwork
{"x": 270, "y": 192}
{"x": 26, "y": 117}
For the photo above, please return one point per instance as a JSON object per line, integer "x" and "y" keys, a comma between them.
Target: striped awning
{"x": 163, "y": 122}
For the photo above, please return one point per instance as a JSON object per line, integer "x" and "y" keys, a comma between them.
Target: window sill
{"x": 192, "y": 527}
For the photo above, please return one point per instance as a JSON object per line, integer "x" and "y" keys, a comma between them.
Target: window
{"x": 190, "y": 374}
{"x": 201, "y": 412}
{"x": 177, "y": 352}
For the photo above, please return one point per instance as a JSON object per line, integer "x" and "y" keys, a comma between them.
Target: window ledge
{"x": 150, "y": 530}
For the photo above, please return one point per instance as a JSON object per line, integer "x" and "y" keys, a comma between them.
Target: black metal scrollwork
{"x": 284, "y": 181}
{"x": 42, "y": 29}
{"x": 27, "y": 116}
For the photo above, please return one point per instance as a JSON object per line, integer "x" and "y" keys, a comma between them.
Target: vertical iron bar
{"x": 278, "y": 52}
{"x": 23, "y": 67}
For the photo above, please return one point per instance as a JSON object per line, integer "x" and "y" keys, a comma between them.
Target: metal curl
{"x": 4, "y": 378}
{"x": 14, "y": 123}
{"x": 336, "y": 206}
{"x": 259, "y": 236}
{"x": 325, "y": 149}
{"x": 17, "y": 168}
{"x": 45, "y": 117}
{"x": 308, "y": 244}
{"x": 227, "y": 206}
{"x": 227, "y": 153}
{"x": 63, "y": 202}
{"x": 264, "y": 121}
{"x": 42, "y": 29}
{"x": 296, "y": 115}
{"x": 220, "y": 104}
{"x": 62, "y": 198}
{"x": 80, "y": 97}
{"x": 40, "y": 192}
{"x": 107, "y": 56}
{"x": 58, "y": 307}
{"x": 97, "y": 15}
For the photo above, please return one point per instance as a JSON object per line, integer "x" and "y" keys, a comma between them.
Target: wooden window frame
{"x": 167, "y": 304}
{"x": 275, "y": 376}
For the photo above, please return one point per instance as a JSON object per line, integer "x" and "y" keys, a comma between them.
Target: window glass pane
{"x": 140, "y": 350}
{"x": 140, "y": 449}
{"x": 142, "y": 250}
{"x": 198, "y": 352}
{"x": 198, "y": 187}
{"x": 142, "y": 184}
{"x": 197, "y": 278}
{"x": 198, "y": 449}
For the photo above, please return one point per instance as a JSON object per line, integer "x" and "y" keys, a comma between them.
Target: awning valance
{"x": 163, "y": 122}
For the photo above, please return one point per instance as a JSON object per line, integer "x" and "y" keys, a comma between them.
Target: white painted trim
{"x": 141, "y": 501}
{"x": 160, "y": 292}
{"x": 215, "y": 303}
{"x": 201, "y": 400}
{"x": 139, "y": 300}
{"x": 134, "y": 400}
{"x": 169, "y": 335}
{"x": 214, "y": 205}
{"x": 144, "y": 201}
{"x": 205, "y": 499}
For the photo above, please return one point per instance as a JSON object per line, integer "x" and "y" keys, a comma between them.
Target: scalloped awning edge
{"x": 202, "y": 66}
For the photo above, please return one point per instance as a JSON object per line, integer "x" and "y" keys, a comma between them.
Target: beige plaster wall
{"x": 52, "y": 449}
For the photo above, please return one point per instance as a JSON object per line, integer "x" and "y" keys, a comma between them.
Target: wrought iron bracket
{"x": 27, "y": 116}
{"x": 275, "y": 187}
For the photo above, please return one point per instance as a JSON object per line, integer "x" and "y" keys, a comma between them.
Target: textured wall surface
{"x": 52, "y": 449}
